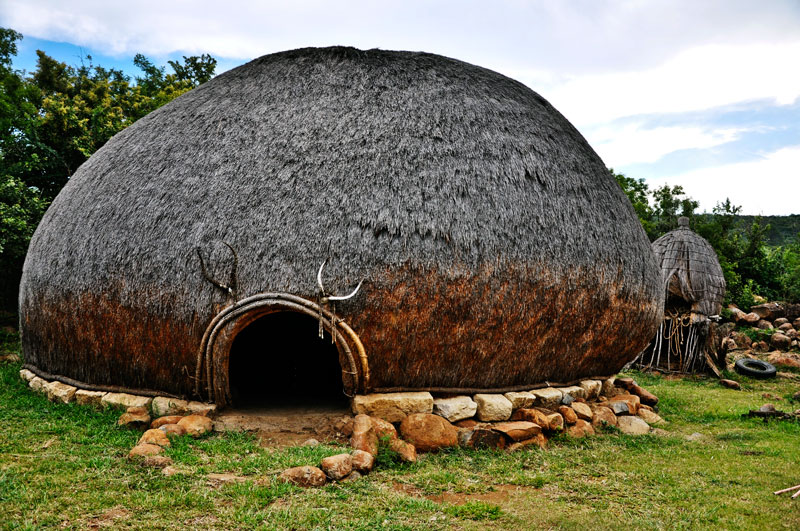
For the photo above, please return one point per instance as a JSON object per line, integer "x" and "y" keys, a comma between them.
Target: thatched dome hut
{"x": 496, "y": 250}
{"x": 694, "y": 288}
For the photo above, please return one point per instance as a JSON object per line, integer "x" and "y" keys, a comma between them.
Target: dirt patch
{"x": 280, "y": 427}
{"x": 108, "y": 518}
{"x": 499, "y": 494}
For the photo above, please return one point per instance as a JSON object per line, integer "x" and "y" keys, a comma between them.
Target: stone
{"x": 337, "y": 466}
{"x": 203, "y": 409}
{"x": 518, "y": 430}
{"x": 383, "y": 429}
{"x": 344, "y": 426}
{"x": 575, "y": 391}
{"x": 492, "y": 407}
{"x": 631, "y": 425}
{"x": 196, "y": 425}
{"x": 405, "y": 450}
{"x": 619, "y": 408}
{"x": 764, "y": 325}
{"x": 566, "y": 399}
{"x": 784, "y": 359}
{"x": 464, "y": 436}
{"x": 455, "y": 408}
{"x": 60, "y": 392}
{"x": 26, "y": 375}
{"x": 520, "y": 399}
{"x": 363, "y": 462}
{"x": 310, "y": 442}
{"x": 155, "y": 436}
{"x": 531, "y": 415}
{"x": 570, "y": 417}
{"x": 792, "y": 334}
{"x": 354, "y": 475}
{"x": 487, "y": 438}
{"x": 171, "y": 419}
{"x": 466, "y": 423}
{"x": 729, "y": 344}
{"x": 555, "y": 422}
{"x": 601, "y": 415}
{"x": 768, "y": 408}
{"x": 751, "y": 318}
{"x": 392, "y": 407}
{"x": 10, "y": 358}
{"x": 608, "y": 389}
{"x": 650, "y": 417}
{"x": 591, "y": 388}
{"x": 163, "y": 406}
{"x": 761, "y": 346}
{"x": 539, "y": 440}
{"x": 304, "y": 476}
{"x": 780, "y": 341}
{"x": 37, "y": 384}
{"x": 89, "y": 398}
{"x": 769, "y": 311}
{"x": 124, "y": 401}
{"x": 429, "y": 432}
{"x": 142, "y": 450}
{"x": 173, "y": 430}
{"x": 741, "y": 339}
{"x": 781, "y": 321}
{"x": 796, "y": 323}
{"x": 730, "y": 384}
{"x": 364, "y": 437}
{"x": 631, "y": 400}
{"x": 157, "y": 461}
{"x": 583, "y": 411}
{"x": 136, "y": 418}
{"x": 580, "y": 429}
{"x": 549, "y": 397}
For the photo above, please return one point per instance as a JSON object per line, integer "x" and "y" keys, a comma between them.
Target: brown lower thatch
{"x": 495, "y": 248}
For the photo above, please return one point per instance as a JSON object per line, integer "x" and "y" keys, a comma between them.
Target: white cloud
{"x": 631, "y": 143}
{"x": 770, "y": 185}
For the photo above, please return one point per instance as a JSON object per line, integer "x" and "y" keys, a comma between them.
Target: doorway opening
{"x": 278, "y": 361}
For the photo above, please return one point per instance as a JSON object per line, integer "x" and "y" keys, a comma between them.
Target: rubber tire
{"x": 755, "y": 368}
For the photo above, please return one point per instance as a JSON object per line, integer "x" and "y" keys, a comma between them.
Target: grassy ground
{"x": 64, "y": 466}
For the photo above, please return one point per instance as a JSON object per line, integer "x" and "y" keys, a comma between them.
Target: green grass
{"x": 64, "y": 466}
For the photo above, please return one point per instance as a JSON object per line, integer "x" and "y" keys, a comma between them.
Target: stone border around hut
{"x": 407, "y": 423}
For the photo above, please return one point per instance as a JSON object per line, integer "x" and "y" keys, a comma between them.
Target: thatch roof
{"x": 496, "y": 247}
{"x": 690, "y": 269}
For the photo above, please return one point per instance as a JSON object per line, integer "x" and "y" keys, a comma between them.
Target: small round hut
{"x": 694, "y": 288}
{"x": 213, "y": 248}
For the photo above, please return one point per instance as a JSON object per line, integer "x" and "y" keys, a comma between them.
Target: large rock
{"x": 781, "y": 341}
{"x": 143, "y": 450}
{"x": 60, "y": 392}
{"x": 405, "y": 450}
{"x": 363, "y": 462}
{"x": 519, "y": 430}
{"x": 163, "y": 406}
{"x": 575, "y": 391}
{"x": 155, "y": 436}
{"x": 428, "y": 432}
{"x": 37, "y": 384}
{"x": 751, "y": 318}
{"x": 769, "y": 311}
{"x": 487, "y": 438}
{"x": 650, "y": 417}
{"x": 455, "y": 408}
{"x": 136, "y": 418}
{"x": 203, "y": 409}
{"x": 393, "y": 407}
{"x": 364, "y": 437}
{"x": 570, "y": 417}
{"x": 591, "y": 388}
{"x": 580, "y": 429}
{"x": 608, "y": 388}
{"x": 730, "y": 384}
{"x": 196, "y": 425}
{"x": 602, "y": 415}
{"x": 26, "y": 375}
{"x": 337, "y": 466}
{"x": 555, "y": 422}
{"x": 531, "y": 415}
{"x": 583, "y": 411}
{"x": 781, "y": 321}
{"x": 549, "y": 397}
{"x": 173, "y": 430}
{"x": 632, "y": 402}
{"x": 124, "y": 401}
{"x": 764, "y": 325}
{"x": 89, "y": 398}
{"x": 493, "y": 407}
{"x": 304, "y": 476}
{"x": 631, "y": 425}
{"x": 172, "y": 419}
{"x": 383, "y": 429}
{"x": 784, "y": 359}
{"x": 520, "y": 399}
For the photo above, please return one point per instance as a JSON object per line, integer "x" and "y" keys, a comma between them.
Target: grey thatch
{"x": 497, "y": 250}
{"x": 694, "y": 286}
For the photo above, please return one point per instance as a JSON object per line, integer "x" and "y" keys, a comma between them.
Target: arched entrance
{"x": 282, "y": 335}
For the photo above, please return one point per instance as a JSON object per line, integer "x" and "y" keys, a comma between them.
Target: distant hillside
{"x": 783, "y": 229}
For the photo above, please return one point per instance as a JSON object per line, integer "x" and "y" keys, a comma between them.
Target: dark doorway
{"x": 280, "y": 361}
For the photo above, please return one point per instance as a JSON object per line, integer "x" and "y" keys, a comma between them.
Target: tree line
{"x": 751, "y": 266}
{"x": 54, "y": 118}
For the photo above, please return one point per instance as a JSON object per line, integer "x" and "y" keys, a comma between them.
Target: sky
{"x": 699, "y": 93}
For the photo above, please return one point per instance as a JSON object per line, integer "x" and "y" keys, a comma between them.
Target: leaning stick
{"x": 787, "y": 490}
{"x": 796, "y": 494}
